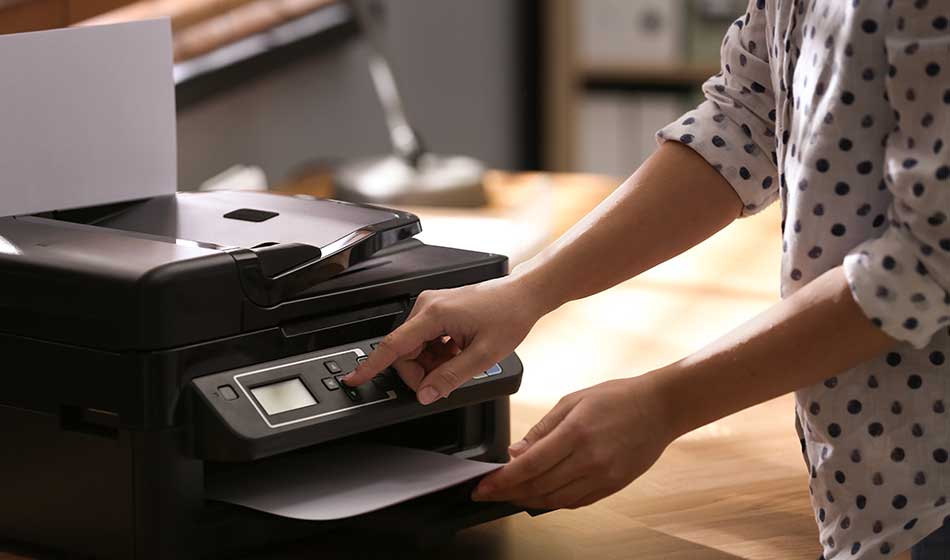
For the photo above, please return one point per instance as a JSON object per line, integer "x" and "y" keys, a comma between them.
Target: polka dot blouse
{"x": 841, "y": 109}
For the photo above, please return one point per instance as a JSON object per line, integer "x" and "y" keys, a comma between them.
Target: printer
{"x": 153, "y": 345}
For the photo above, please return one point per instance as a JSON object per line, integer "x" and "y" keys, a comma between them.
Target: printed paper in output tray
{"x": 342, "y": 481}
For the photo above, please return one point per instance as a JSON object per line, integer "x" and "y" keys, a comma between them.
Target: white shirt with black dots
{"x": 841, "y": 109}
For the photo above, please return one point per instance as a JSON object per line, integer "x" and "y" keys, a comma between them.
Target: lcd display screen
{"x": 283, "y": 396}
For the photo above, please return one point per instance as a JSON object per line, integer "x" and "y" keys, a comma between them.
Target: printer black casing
{"x": 119, "y": 325}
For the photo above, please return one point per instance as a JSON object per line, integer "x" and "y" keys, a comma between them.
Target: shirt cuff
{"x": 731, "y": 150}
{"x": 894, "y": 289}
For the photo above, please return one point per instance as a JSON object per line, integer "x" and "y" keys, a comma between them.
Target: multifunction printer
{"x": 151, "y": 346}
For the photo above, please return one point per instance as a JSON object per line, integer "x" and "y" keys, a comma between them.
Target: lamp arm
{"x": 405, "y": 141}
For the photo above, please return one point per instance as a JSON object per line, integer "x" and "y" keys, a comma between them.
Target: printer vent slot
{"x": 92, "y": 421}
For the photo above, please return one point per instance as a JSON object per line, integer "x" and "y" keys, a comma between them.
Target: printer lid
{"x": 119, "y": 278}
{"x": 244, "y": 219}
{"x": 283, "y": 244}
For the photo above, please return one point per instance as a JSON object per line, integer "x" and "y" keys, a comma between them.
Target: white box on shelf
{"x": 656, "y": 110}
{"x": 630, "y": 32}
{"x": 600, "y": 148}
{"x": 616, "y": 131}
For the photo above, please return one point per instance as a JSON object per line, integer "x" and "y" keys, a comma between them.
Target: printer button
{"x": 383, "y": 382}
{"x": 332, "y": 366}
{"x": 227, "y": 393}
{"x": 353, "y": 393}
{"x": 330, "y": 383}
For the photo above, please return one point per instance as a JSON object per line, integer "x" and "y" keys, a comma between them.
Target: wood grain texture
{"x": 201, "y": 26}
{"x": 183, "y": 13}
{"x": 734, "y": 489}
{"x": 84, "y": 9}
{"x": 32, "y": 15}
{"x": 560, "y": 95}
{"x": 239, "y": 23}
{"x": 17, "y": 16}
{"x": 659, "y": 75}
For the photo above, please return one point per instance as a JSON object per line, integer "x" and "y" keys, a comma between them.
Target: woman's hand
{"x": 592, "y": 444}
{"x": 453, "y": 335}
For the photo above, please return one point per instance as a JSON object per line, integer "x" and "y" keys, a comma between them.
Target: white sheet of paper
{"x": 87, "y": 116}
{"x": 341, "y": 481}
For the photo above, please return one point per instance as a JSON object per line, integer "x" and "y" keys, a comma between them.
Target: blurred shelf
{"x": 183, "y": 13}
{"x": 576, "y": 72}
{"x": 204, "y": 26}
{"x": 240, "y": 23}
{"x": 659, "y": 75}
{"x": 18, "y": 16}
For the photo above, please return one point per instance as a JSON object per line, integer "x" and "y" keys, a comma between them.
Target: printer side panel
{"x": 169, "y": 495}
{"x": 64, "y": 489}
{"x": 91, "y": 464}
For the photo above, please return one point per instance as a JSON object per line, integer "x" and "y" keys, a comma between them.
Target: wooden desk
{"x": 734, "y": 489}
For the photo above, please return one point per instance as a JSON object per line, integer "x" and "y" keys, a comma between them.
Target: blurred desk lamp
{"x": 410, "y": 175}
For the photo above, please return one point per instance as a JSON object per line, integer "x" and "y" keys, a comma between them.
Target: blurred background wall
{"x": 457, "y": 62}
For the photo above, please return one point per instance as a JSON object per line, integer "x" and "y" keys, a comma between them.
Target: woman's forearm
{"x": 674, "y": 201}
{"x": 805, "y": 339}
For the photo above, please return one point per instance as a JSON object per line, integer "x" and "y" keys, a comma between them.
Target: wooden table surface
{"x": 734, "y": 489}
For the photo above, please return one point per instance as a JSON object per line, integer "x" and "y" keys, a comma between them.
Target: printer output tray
{"x": 402, "y": 530}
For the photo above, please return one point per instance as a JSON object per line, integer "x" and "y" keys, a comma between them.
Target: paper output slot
{"x": 342, "y": 480}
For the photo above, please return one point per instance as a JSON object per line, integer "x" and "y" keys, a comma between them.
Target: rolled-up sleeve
{"x": 901, "y": 279}
{"x": 734, "y": 128}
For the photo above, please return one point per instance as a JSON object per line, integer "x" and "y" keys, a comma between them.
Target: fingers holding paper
{"x": 592, "y": 444}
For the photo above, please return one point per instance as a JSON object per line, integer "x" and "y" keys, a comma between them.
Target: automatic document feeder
{"x": 151, "y": 346}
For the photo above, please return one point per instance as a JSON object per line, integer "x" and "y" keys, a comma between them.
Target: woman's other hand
{"x": 592, "y": 444}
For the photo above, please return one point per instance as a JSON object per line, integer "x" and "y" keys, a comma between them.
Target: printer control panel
{"x": 309, "y": 388}
{"x": 292, "y": 394}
